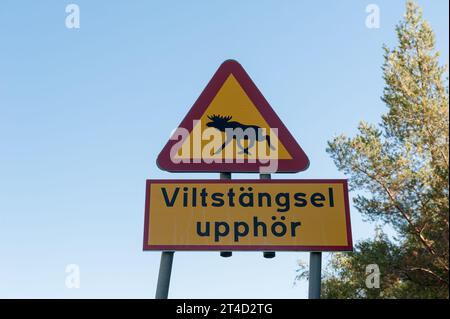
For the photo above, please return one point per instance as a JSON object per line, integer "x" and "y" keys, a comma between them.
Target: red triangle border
{"x": 299, "y": 161}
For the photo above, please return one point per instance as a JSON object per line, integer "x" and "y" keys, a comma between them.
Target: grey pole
{"x": 267, "y": 254}
{"x": 165, "y": 270}
{"x": 225, "y": 253}
{"x": 315, "y": 275}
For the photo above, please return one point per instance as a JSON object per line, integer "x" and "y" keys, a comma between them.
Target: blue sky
{"x": 84, "y": 114}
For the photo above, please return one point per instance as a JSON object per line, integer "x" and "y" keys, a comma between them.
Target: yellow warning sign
{"x": 232, "y": 128}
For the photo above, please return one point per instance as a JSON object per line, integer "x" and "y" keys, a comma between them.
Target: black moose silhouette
{"x": 239, "y": 132}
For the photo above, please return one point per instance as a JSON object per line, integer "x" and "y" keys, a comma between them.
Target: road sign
{"x": 254, "y": 215}
{"x": 232, "y": 128}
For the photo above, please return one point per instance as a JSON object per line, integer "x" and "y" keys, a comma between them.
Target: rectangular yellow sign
{"x": 258, "y": 215}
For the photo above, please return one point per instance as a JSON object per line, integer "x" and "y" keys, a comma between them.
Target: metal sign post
{"x": 165, "y": 270}
{"x": 315, "y": 275}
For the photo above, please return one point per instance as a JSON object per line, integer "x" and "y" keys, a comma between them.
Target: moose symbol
{"x": 239, "y": 132}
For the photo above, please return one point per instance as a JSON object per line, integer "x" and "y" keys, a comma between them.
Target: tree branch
{"x": 428, "y": 271}
{"x": 416, "y": 231}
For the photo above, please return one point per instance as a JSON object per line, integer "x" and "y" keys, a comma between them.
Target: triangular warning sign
{"x": 232, "y": 128}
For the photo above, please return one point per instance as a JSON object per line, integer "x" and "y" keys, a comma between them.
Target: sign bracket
{"x": 267, "y": 254}
{"x": 225, "y": 254}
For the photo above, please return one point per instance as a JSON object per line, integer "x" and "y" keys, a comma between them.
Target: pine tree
{"x": 403, "y": 164}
